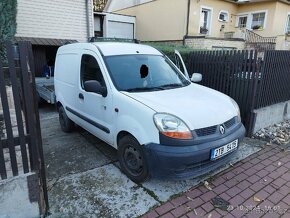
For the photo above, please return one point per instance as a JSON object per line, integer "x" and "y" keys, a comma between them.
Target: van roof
{"x": 112, "y": 48}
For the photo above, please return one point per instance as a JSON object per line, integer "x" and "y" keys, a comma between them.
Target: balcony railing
{"x": 260, "y": 43}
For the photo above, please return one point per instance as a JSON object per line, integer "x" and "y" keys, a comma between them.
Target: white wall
{"x": 59, "y": 19}
{"x": 114, "y": 5}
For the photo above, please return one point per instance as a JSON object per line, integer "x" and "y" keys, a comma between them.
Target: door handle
{"x": 81, "y": 96}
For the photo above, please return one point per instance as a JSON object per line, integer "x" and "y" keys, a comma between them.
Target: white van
{"x": 135, "y": 99}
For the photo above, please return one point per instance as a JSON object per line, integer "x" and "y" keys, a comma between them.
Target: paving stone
{"x": 194, "y": 193}
{"x": 284, "y": 190}
{"x": 208, "y": 206}
{"x": 237, "y": 200}
{"x": 233, "y": 191}
{"x": 241, "y": 177}
{"x": 218, "y": 181}
{"x": 225, "y": 196}
{"x": 287, "y": 199}
{"x": 262, "y": 195}
{"x": 200, "y": 212}
{"x": 282, "y": 208}
{"x": 257, "y": 186}
{"x": 270, "y": 168}
{"x": 195, "y": 203}
{"x": 151, "y": 214}
{"x": 179, "y": 201}
{"x": 208, "y": 196}
{"x": 286, "y": 176}
{"x": 192, "y": 215}
{"x": 231, "y": 183}
{"x": 275, "y": 197}
{"x": 270, "y": 189}
{"x": 167, "y": 215}
{"x": 164, "y": 208}
{"x": 220, "y": 189}
{"x": 179, "y": 211}
{"x": 279, "y": 182}
{"x": 243, "y": 185}
{"x": 253, "y": 179}
{"x": 262, "y": 173}
{"x": 271, "y": 215}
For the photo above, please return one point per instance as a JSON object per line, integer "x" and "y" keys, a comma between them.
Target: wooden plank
{"x": 45, "y": 204}
{"x": 5, "y": 143}
{"x": 8, "y": 123}
{"x": 17, "y": 103}
{"x": 3, "y": 172}
{"x": 33, "y": 149}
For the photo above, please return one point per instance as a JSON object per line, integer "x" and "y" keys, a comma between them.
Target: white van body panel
{"x": 136, "y": 118}
{"x": 199, "y": 106}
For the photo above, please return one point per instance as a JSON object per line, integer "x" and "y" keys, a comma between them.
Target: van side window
{"x": 90, "y": 70}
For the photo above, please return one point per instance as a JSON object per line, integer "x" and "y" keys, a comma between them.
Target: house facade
{"x": 212, "y": 23}
{"x": 49, "y": 25}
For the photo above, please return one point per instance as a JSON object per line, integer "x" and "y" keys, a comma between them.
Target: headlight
{"x": 237, "y": 109}
{"x": 171, "y": 126}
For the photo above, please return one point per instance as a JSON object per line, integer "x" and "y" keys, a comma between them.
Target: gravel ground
{"x": 278, "y": 133}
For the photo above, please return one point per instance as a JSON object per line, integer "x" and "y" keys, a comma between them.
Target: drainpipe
{"x": 88, "y": 20}
{"x": 187, "y": 21}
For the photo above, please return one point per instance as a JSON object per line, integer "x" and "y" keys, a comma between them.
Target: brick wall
{"x": 210, "y": 43}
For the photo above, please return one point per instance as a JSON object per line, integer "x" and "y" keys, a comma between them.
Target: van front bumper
{"x": 180, "y": 162}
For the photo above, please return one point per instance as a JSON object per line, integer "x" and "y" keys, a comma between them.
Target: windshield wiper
{"x": 171, "y": 85}
{"x": 142, "y": 89}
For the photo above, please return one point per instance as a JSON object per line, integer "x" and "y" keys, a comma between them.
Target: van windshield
{"x": 141, "y": 73}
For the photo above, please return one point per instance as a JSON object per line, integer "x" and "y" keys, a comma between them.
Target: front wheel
{"x": 132, "y": 159}
{"x": 65, "y": 123}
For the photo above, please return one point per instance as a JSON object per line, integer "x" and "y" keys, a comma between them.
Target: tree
{"x": 7, "y": 23}
{"x": 99, "y": 5}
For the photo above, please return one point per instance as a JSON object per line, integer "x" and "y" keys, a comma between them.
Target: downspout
{"x": 88, "y": 20}
{"x": 187, "y": 21}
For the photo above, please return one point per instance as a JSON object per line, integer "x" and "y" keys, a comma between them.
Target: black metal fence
{"x": 275, "y": 79}
{"x": 253, "y": 82}
{"x": 21, "y": 143}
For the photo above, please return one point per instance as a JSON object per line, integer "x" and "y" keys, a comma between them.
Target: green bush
{"x": 168, "y": 50}
{"x": 7, "y": 23}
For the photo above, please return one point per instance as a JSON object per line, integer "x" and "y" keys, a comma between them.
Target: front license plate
{"x": 223, "y": 150}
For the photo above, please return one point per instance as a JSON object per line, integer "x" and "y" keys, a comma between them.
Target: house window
{"x": 242, "y": 22}
{"x": 205, "y": 21}
{"x": 288, "y": 25}
{"x": 258, "y": 20}
{"x": 224, "y": 16}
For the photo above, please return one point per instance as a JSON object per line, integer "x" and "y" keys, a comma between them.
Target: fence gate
{"x": 21, "y": 144}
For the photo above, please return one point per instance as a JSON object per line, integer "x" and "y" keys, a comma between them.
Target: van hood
{"x": 196, "y": 105}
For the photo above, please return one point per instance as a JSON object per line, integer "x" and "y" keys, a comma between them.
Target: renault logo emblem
{"x": 222, "y": 130}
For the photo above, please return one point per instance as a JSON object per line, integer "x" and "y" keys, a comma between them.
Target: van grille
{"x": 206, "y": 131}
{"x": 213, "y": 129}
{"x": 230, "y": 123}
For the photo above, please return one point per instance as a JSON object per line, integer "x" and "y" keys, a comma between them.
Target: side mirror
{"x": 196, "y": 77}
{"x": 95, "y": 86}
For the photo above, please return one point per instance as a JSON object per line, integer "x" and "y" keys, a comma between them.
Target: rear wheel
{"x": 65, "y": 123}
{"x": 132, "y": 159}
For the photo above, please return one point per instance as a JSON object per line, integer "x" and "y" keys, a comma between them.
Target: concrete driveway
{"x": 84, "y": 179}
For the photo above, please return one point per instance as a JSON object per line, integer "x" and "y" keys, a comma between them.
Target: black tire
{"x": 132, "y": 159}
{"x": 65, "y": 123}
